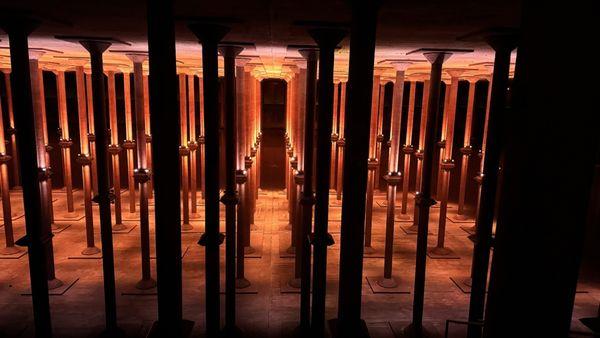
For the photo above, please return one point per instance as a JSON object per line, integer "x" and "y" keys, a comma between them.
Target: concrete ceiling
{"x": 270, "y": 25}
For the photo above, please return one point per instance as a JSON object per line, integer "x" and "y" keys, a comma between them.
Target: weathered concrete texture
{"x": 267, "y": 313}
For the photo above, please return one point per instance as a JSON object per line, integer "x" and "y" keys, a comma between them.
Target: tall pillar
{"x": 408, "y": 150}
{"x": 209, "y": 36}
{"x": 91, "y": 132}
{"x": 37, "y": 227}
{"x": 360, "y": 83}
{"x": 201, "y": 137}
{"x": 114, "y": 149}
{"x": 230, "y": 198}
{"x": 161, "y": 101}
{"x": 327, "y": 39}
{"x": 447, "y": 164}
{"x": 9, "y": 243}
{"x": 129, "y": 144}
{"x": 372, "y": 163}
{"x": 84, "y": 158}
{"x": 335, "y": 136}
{"x": 96, "y": 48}
{"x": 41, "y": 137}
{"x": 394, "y": 175}
{"x": 413, "y": 229}
{"x": 341, "y": 142}
{"x": 307, "y": 200}
{"x": 293, "y": 155}
{"x": 142, "y": 173}
{"x": 193, "y": 144}
{"x": 12, "y": 131}
{"x": 65, "y": 143}
{"x": 379, "y": 133}
{"x": 423, "y": 201}
{"x": 241, "y": 174}
{"x": 184, "y": 154}
{"x": 466, "y": 151}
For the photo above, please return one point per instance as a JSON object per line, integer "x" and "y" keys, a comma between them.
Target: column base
{"x": 248, "y": 250}
{"x": 287, "y": 227}
{"x": 357, "y": 330}
{"x": 242, "y": 283}
{"x": 187, "y": 227}
{"x": 592, "y": 323}
{"x": 441, "y": 253}
{"x": 119, "y": 227}
{"x": 411, "y": 331}
{"x": 291, "y": 250}
{"x": 369, "y": 250}
{"x": 55, "y": 283}
{"x": 411, "y": 230}
{"x": 11, "y": 250}
{"x": 470, "y": 230}
{"x": 58, "y": 227}
{"x": 184, "y": 332}
{"x": 404, "y": 217}
{"x": 90, "y": 250}
{"x": 145, "y": 284}
{"x": 231, "y": 331}
{"x": 463, "y": 283}
{"x": 295, "y": 283}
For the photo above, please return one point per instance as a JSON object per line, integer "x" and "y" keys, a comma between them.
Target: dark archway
{"x": 273, "y": 103}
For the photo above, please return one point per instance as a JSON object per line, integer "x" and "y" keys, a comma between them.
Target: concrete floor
{"x": 267, "y": 309}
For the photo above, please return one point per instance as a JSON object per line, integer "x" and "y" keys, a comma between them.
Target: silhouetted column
{"x": 447, "y": 164}
{"x": 161, "y": 99}
{"x": 9, "y": 243}
{"x": 394, "y": 176}
{"x": 184, "y": 154}
{"x": 114, "y": 149}
{"x": 327, "y": 39}
{"x": 379, "y": 137}
{"x": 466, "y": 151}
{"x": 341, "y": 142}
{"x": 129, "y": 144}
{"x": 12, "y": 131}
{"x": 38, "y": 235}
{"x": 201, "y": 138}
{"x": 148, "y": 134}
{"x": 65, "y": 143}
{"x": 209, "y": 36}
{"x": 424, "y": 201}
{"x": 372, "y": 163}
{"x": 192, "y": 144}
{"x": 360, "y": 83}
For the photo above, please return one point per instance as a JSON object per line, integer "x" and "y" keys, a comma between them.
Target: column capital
{"x": 439, "y": 54}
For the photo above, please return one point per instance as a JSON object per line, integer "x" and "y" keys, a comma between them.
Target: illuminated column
{"x": 466, "y": 150}
{"x": 9, "y": 248}
{"x": 249, "y": 161}
{"x": 91, "y": 132}
{"x": 447, "y": 165}
{"x": 341, "y": 143}
{"x": 114, "y": 149}
{"x": 293, "y": 84}
{"x": 441, "y": 144}
{"x": 335, "y": 136}
{"x": 372, "y": 162}
{"x": 84, "y": 158}
{"x": 241, "y": 175}
{"x": 65, "y": 143}
{"x": 408, "y": 150}
{"x": 379, "y": 136}
{"x": 43, "y": 160}
{"x": 259, "y": 133}
{"x": 142, "y": 173}
{"x": 184, "y": 153}
{"x": 11, "y": 129}
{"x": 129, "y": 143}
{"x": 201, "y": 138}
{"x": 148, "y": 133}
{"x": 193, "y": 145}
{"x": 394, "y": 176}
{"x": 413, "y": 229}
{"x": 299, "y": 173}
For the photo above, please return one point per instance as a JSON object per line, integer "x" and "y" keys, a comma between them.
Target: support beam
{"x": 12, "y": 131}
{"x": 65, "y": 143}
{"x": 184, "y": 153}
{"x": 114, "y": 149}
{"x": 372, "y": 162}
{"x": 341, "y": 142}
{"x": 466, "y": 150}
{"x": 129, "y": 143}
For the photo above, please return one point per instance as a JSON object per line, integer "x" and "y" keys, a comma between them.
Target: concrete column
{"x": 184, "y": 153}
{"x": 447, "y": 164}
{"x": 394, "y": 176}
{"x": 335, "y": 136}
{"x": 148, "y": 133}
{"x": 91, "y": 132}
{"x": 192, "y": 144}
{"x": 341, "y": 143}
{"x": 379, "y": 135}
{"x": 201, "y": 137}
{"x": 372, "y": 163}
{"x": 65, "y": 143}
{"x": 84, "y": 158}
{"x": 11, "y": 129}
{"x": 466, "y": 151}
{"x": 129, "y": 144}
{"x": 408, "y": 150}
{"x": 114, "y": 149}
